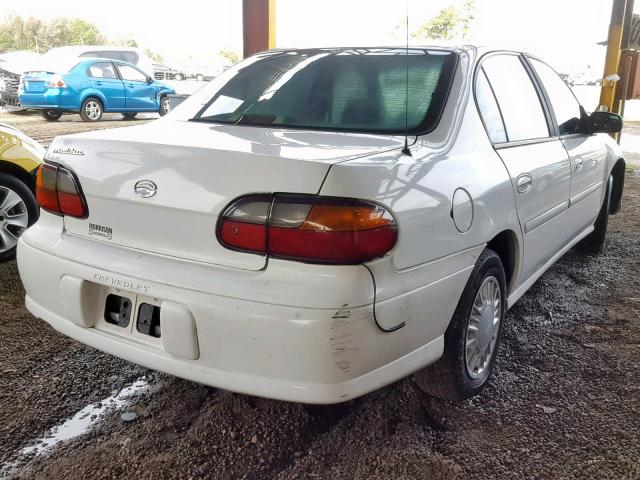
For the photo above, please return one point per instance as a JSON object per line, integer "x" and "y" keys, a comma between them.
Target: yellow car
{"x": 20, "y": 157}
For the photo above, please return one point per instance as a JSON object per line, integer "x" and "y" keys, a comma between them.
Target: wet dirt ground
{"x": 564, "y": 401}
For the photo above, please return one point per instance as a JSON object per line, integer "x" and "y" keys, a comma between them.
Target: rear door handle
{"x": 577, "y": 164}
{"x": 98, "y": 82}
{"x": 524, "y": 183}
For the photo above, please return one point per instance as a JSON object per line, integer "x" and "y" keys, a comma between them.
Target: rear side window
{"x": 102, "y": 70}
{"x": 565, "y": 106}
{"x": 517, "y": 98}
{"x": 489, "y": 110}
{"x": 357, "y": 90}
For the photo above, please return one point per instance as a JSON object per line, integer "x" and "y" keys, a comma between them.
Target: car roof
{"x": 479, "y": 50}
{"x": 87, "y": 60}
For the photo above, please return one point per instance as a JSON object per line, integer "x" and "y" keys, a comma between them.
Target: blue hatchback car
{"x": 92, "y": 87}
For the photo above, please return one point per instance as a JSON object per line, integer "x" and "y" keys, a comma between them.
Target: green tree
{"x": 450, "y": 23}
{"x": 17, "y": 33}
{"x": 230, "y": 55}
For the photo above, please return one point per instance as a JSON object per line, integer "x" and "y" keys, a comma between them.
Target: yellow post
{"x": 612, "y": 61}
{"x": 272, "y": 24}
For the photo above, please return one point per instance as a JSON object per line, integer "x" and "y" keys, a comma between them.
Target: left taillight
{"x": 58, "y": 191}
{"x": 308, "y": 228}
{"x": 57, "y": 82}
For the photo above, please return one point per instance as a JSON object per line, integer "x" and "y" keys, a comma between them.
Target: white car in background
{"x": 62, "y": 59}
{"x": 275, "y": 235}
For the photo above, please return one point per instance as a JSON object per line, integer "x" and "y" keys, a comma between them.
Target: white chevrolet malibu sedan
{"x": 315, "y": 224}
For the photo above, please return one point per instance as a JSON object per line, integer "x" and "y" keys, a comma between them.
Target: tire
{"x": 50, "y": 115}
{"x": 129, "y": 115}
{"x": 200, "y": 77}
{"x": 456, "y": 377}
{"x": 593, "y": 244}
{"x": 165, "y": 106}
{"x": 18, "y": 211}
{"x": 91, "y": 110}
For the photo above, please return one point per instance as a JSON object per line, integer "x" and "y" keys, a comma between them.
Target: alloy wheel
{"x": 483, "y": 328}
{"x": 14, "y": 218}
{"x": 93, "y": 110}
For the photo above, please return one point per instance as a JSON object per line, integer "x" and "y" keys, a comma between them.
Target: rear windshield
{"x": 370, "y": 90}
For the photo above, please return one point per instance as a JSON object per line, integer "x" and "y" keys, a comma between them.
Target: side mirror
{"x": 604, "y": 122}
{"x": 149, "y": 80}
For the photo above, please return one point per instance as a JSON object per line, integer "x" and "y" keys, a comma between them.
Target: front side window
{"x": 517, "y": 97}
{"x": 565, "y": 106}
{"x": 489, "y": 110}
{"x": 362, "y": 90}
{"x": 102, "y": 70}
{"x": 131, "y": 74}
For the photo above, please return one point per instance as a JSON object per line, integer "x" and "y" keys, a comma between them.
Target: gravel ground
{"x": 563, "y": 402}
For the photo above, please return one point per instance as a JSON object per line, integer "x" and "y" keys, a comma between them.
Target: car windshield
{"x": 371, "y": 90}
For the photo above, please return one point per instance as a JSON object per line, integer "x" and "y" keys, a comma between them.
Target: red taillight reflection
{"x": 309, "y": 228}
{"x": 57, "y": 191}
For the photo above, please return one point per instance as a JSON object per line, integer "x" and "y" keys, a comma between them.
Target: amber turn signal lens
{"x": 308, "y": 228}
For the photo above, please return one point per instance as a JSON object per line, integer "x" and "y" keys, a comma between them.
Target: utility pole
{"x": 621, "y": 13}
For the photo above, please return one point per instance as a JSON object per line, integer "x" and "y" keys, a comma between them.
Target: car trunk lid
{"x": 36, "y": 82}
{"x": 198, "y": 169}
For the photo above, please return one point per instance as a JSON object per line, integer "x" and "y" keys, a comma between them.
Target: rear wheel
{"x": 91, "y": 110}
{"x": 165, "y": 106}
{"x": 129, "y": 115}
{"x": 593, "y": 243}
{"x": 18, "y": 210}
{"x": 50, "y": 115}
{"x": 472, "y": 339}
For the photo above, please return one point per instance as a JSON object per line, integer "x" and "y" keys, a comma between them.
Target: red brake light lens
{"x": 57, "y": 82}
{"x": 309, "y": 228}
{"x": 57, "y": 191}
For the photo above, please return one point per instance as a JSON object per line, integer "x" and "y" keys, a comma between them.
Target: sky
{"x": 563, "y": 32}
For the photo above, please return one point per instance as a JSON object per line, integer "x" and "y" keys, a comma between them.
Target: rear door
{"x": 104, "y": 79}
{"x": 587, "y": 152}
{"x": 520, "y": 127}
{"x": 140, "y": 94}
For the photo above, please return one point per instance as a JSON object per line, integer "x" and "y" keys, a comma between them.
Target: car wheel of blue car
{"x": 165, "y": 105}
{"x": 50, "y": 115}
{"x": 91, "y": 110}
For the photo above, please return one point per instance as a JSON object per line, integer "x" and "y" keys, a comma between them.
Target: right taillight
{"x": 58, "y": 191}
{"x": 308, "y": 228}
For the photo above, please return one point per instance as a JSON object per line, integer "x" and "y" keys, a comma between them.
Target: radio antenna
{"x": 405, "y": 150}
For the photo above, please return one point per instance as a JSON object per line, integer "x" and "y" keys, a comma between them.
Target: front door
{"x": 140, "y": 94}
{"x": 536, "y": 160}
{"x": 587, "y": 153}
{"x": 104, "y": 79}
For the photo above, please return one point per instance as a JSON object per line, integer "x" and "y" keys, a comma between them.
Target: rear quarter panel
{"x": 419, "y": 190}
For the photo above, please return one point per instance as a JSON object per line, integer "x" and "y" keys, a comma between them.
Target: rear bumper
{"x": 309, "y": 344}
{"x": 51, "y": 99}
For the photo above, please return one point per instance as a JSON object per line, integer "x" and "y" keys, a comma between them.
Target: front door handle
{"x": 524, "y": 183}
